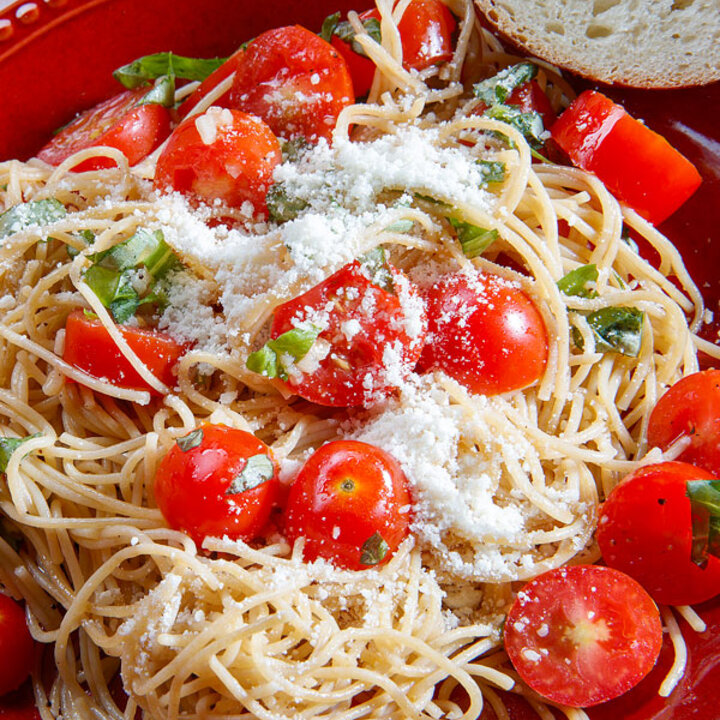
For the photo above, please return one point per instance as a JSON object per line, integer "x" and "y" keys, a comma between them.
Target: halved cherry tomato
{"x": 217, "y": 481}
{"x": 19, "y": 704}
{"x": 690, "y": 408}
{"x": 645, "y": 530}
{"x": 295, "y": 81}
{"x": 372, "y": 336}
{"x": 426, "y": 29}
{"x": 89, "y": 347}
{"x": 485, "y": 332}
{"x": 223, "y": 155}
{"x": 350, "y": 502}
{"x": 531, "y": 97}
{"x": 638, "y": 166}
{"x": 120, "y": 123}
{"x": 582, "y": 635}
{"x": 17, "y": 647}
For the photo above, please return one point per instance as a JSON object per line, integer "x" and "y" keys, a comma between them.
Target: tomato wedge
{"x": 351, "y": 503}
{"x": 119, "y": 122}
{"x": 295, "y": 81}
{"x": 636, "y": 164}
{"x": 89, "y": 347}
{"x": 582, "y": 635}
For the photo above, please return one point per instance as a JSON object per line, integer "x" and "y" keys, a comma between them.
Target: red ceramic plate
{"x": 56, "y": 59}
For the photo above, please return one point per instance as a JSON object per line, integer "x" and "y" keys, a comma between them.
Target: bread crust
{"x": 650, "y": 44}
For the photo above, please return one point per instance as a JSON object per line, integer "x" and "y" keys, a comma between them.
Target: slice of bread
{"x": 640, "y": 43}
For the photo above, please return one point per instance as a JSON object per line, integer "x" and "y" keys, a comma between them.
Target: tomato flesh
{"x": 485, "y": 332}
{"x": 193, "y": 486}
{"x": 17, "y": 647}
{"x": 636, "y": 164}
{"x": 295, "y": 81}
{"x": 89, "y": 347}
{"x": 690, "y": 408}
{"x": 344, "y": 494}
{"x": 118, "y": 122}
{"x": 582, "y": 635}
{"x": 645, "y": 530}
{"x": 232, "y": 160}
{"x": 373, "y": 337}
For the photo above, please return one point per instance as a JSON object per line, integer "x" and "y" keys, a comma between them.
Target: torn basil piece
{"x": 114, "y": 290}
{"x": 475, "y": 240}
{"x": 328, "y": 27}
{"x": 282, "y": 207}
{"x": 191, "y": 440}
{"x": 87, "y": 236}
{"x": 616, "y": 329}
{"x": 528, "y": 124}
{"x": 705, "y": 507}
{"x": 374, "y": 550}
{"x": 293, "y": 149}
{"x": 574, "y": 283}
{"x": 496, "y": 89}
{"x": 376, "y": 264}
{"x": 150, "y": 67}
{"x": 344, "y": 30}
{"x": 400, "y": 226}
{"x": 492, "y": 170}
{"x": 258, "y": 470}
{"x": 29, "y": 214}
{"x": 292, "y": 345}
{"x": 143, "y": 248}
{"x": 162, "y": 92}
{"x": 8, "y": 446}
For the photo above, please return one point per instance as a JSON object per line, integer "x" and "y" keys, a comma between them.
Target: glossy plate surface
{"x": 56, "y": 59}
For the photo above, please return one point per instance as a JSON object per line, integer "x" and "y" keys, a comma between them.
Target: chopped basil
{"x": 344, "y": 30}
{"x": 430, "y": 199}
{"x": 496, "y": 89}
{"x": 575, "y": 281}
{"x": 191, "y": 440}
{"x": 162, "y": 92}
{"x": 374, "y": 550}
{"x": 329, "y": 25}
{"x": 616, "y": 329}
{"x": 114, "y": 290}
{"x": 400, "y": 226}
{"x": 474, "y": 240}
{"x": 258, "y": 470}
{"x": 87, "y": 236}
{"x": 8, "y": 446}
{"x": 376, "y": 264}
{"x": 629, "y": 240}
{"x": 493, "y": 170}
{"x": 25, "y": 215}
{"x": 529, "y": 124}
{"x": 281, "y": 207}
{"x": 293, "y": 149}
{"x": 150, "y": 67}
{"x": 705, "y": 506}
{"x": 143, "y": 248}
{"x": 294, "y": 344}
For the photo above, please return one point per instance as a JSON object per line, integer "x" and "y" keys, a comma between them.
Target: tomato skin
{"x": 691, "y": 407}
{"x": 17, "y": 648}
{"x": 89, "y": 347}
{"x": 645, "y": 530}
{"x": 636, "y": 164}
{"x": 354, "y": 372}
{"x": 583, "y": 634}
{"x": 236, "y": 167}
{"x": 295, "y": 81}
{"x": 210, "y": 83}
{"x": 530, "y": 97}
{"x": 485, "y": 332}
{"x": 336, "y": 519}
{"x": 117, "y": 122}
{"x": 191, "y": 485}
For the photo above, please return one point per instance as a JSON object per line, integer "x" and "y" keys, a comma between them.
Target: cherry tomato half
{"x": 89, "y": 347}
{"x": 638, "y": 166}
{"x": 350, "y": 502}
{"x": 217, "y": 481}
{"x": 582, "y": 635}
{"x": 17, "y": 647}
{"x": 120, "y": 123}
{"x": 645, "y": 530}
{"x": 690, "y": 408}
{"x": 485, "y": 332}
{"x": 295, "y": 81}
{"x": 372, "y": 336}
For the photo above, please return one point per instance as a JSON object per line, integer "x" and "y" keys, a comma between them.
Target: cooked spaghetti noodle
{"x": 253, "y": 631}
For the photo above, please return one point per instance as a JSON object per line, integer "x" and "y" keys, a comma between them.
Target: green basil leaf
{"x": 376, "y": 265}
{"x": 87, "y": 236}
{"x": 430, "y": 199}
{"x": 493, "y": 170}
{"x": 529, "y": 124}
{"x": 705, "y": 506}
{"x": 8, "y": 446}
{"x": 258, "y": 470}
{"x": 150, "y": 67}
{"x": 126, "y": 301}
{"x": 400, "y": 226}
{"x": 29, "y": 214}
{"x": 295, "y": 344}
{"x": 344, "y": 30}
{"x": 474, "y": 240}
{"x": 374, "y": 550}
{"x": 191, "y": 440}
{"x": 628, "y": 240}
{"x": 162, "y": 93}
{"x": 114, "y": 290}
{"x": 575, "y": 281}
{"x": 143, "y": 248}
{"x": 496, "y": 89}
{"x": 616, "y": 329}
{"x": 293, "y": 149}
{"x": 281, "y": 207}
{"x": 329, "y": 25}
